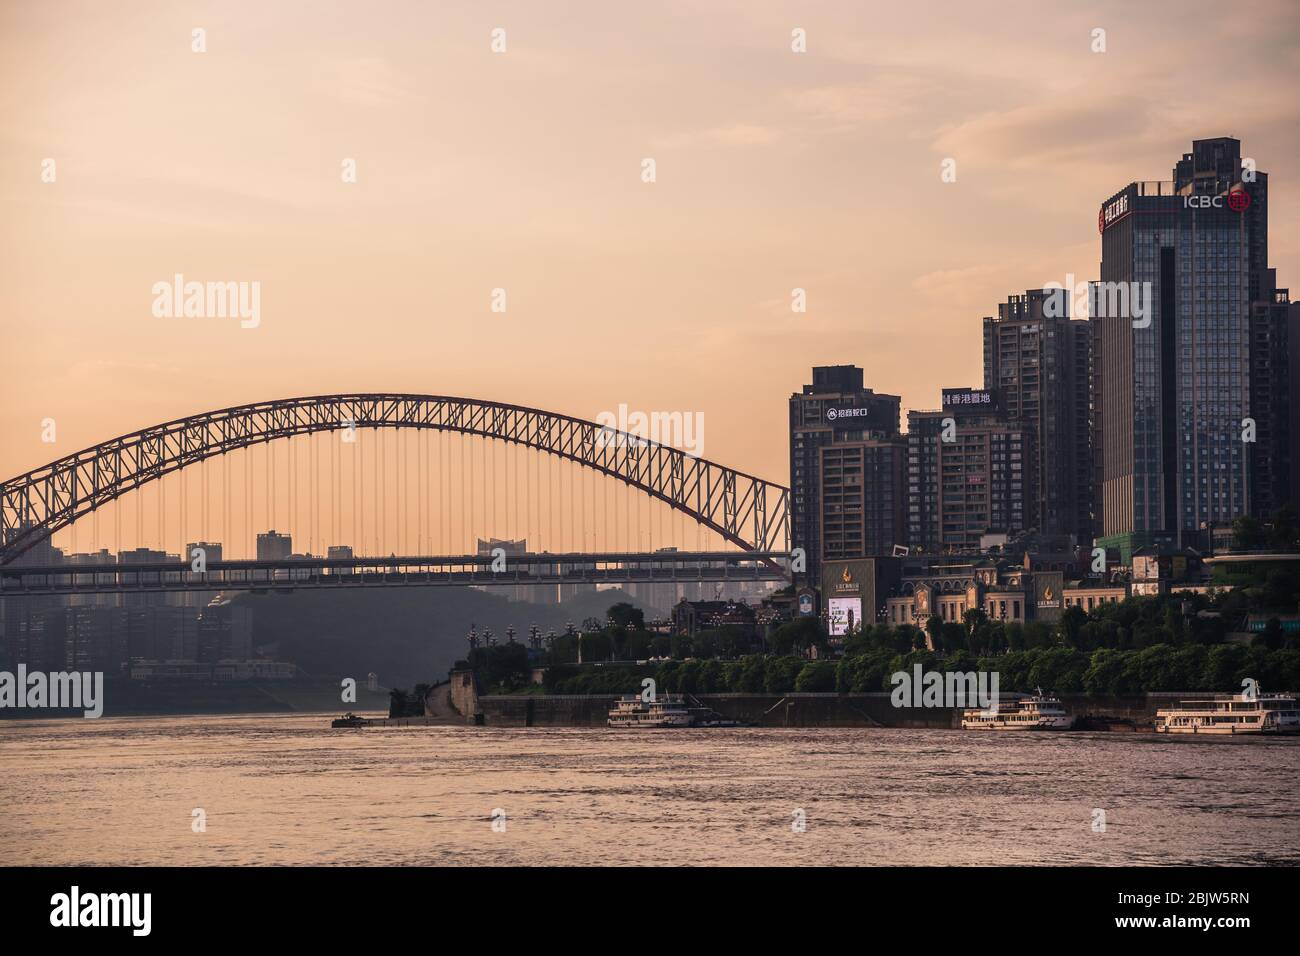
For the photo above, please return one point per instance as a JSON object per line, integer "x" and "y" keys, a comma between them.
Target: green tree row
{"x": 1105, "y": 671}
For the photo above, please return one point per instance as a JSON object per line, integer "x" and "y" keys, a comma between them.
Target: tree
{"x": 1280, "y": 589}
{"x": 798, "y": 635}
{"x": 1246, "y": 533}
{"x": 708, "y": 644}
{"x": 416, "y": 701}
{"x": 1038, "y": 634}
{"x": 397, "y": 703}
{"x": 733, "y": 641}
{"x": 710, "y": 678}
{"x": 1222, "y": 668}
{"x": 1015, "y": 632}
{"x": 903, "y": 638}
{"x": 1071, "y": 623}
{"x": 866, "y": 673}
{"x": 974, "y": 619}
{"x": 816, "y": 677}
{"x": 1172, "y": 625}
{"x": 507, "y": 665}
{"x": 1272, "y": 635}
{"x": 860, "y": 642}
{"x": 596, "y": 646}
{"x": 1282, "y": 534}
{"x": 952, "y": 637}
{"x": 688, "y": 677}
{"x": 751, "y": 675}
{"x": 781, "y": 674}
{"x": 623, "y": 615}
{"x": 1104, "y": 674}
{"x": 997, "y": 638}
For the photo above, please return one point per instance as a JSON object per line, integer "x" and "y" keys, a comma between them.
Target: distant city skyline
{"x": 776, "y": 171}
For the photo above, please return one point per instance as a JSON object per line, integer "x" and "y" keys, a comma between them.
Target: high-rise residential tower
{"x": 1271, "y": 456}
{"x": 834, "y": 409}
{"x": 1036, "y": 359}
{"x": 863, "y": 497}
{"x": 970, "y": 471}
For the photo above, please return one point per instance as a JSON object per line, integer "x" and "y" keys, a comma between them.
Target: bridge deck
{"x": 397, "y": 571}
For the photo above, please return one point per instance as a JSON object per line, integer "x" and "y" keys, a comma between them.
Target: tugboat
{"x": 1236, "y": 714}
{"x": 1029, "y": 713}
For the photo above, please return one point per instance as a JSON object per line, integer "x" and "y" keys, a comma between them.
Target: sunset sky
{"x": 522, "y": 170}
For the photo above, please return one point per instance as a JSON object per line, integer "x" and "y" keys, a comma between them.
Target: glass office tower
{"x": 1181, "y": 261}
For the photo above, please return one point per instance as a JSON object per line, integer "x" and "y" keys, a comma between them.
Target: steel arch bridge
{"x": 745, "y": 510}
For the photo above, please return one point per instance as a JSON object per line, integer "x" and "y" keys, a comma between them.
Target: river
{"x": 289, "y": 790}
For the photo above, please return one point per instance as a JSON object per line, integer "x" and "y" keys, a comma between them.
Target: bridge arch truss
{"x": 745, "y": 510}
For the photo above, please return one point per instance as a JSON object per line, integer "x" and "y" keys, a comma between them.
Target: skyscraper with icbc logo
{"x": 1180, "y": 344}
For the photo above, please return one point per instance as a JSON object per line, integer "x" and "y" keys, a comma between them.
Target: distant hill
{"x": 406, "y": 635}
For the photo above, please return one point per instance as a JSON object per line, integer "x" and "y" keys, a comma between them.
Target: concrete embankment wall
{"x": 1141, "y": 707}
{"x": 827, "y": 710}
{"x": 784, "y": 710}
{"x": 166, "y": 697}
{"x": 464, "y": 697}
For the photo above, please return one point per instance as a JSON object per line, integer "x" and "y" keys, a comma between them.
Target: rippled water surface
{"x": 287, "y": 789}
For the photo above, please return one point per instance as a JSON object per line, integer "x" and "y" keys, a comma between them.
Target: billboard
{"x": 845, "y": 614}
{"x": 866, "y": 582}
{"x": 865, "y": 418}
{"x": 1048, "y": 594}
{"x": 968, "y": 401}
{"x": 807, "y": 603}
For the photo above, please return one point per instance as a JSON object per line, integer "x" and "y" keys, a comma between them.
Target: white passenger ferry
{"x": 666, "y": 710}
{"x": 1235, "y": 714}
{"x": 1028, "y": 713}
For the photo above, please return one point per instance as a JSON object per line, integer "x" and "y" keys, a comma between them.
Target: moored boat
{"x": 1231, "y": 714}
{"x": 1029, "y": 713}
{"x": 666, "y": 710}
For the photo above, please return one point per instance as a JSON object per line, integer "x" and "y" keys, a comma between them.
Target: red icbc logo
{"x": 1238, "y": 200}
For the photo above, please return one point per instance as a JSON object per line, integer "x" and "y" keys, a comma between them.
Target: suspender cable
{"x": 399, "y": 502}
{"x": 358, "y": 525}
{"x": 182, "y": 480}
